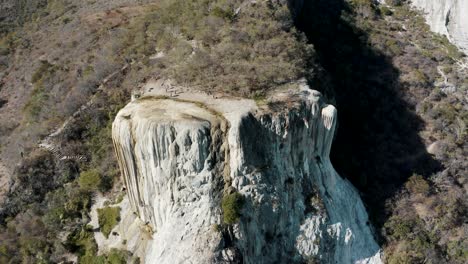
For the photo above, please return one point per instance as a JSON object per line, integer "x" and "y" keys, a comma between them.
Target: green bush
{"x": 92, "y": 259}
{"x": 108, "y": 218}
{"x": 232, "y": 206}
{"x": 81, "y": 241}
{"x": 90, "y": 180}
{"x": 385, "y": 11}
{"x": 65, "y": 204}
{"x": 399, "y": 228}
{"x": 116, "y": 256}
{"x": 225, "y": 14}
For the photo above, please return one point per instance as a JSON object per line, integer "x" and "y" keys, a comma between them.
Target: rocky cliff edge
{"x": 181, "y": 153}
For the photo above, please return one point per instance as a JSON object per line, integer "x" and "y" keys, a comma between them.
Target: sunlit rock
{"x": 447, "y": 17}
{"x": 179, "y": 156}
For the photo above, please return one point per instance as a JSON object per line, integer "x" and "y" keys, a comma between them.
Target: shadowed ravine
{"x": 377, "y": 145}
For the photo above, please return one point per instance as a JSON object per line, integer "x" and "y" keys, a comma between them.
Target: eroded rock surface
{"x": 179, "y": 156}
{"x": 447, "y": 17}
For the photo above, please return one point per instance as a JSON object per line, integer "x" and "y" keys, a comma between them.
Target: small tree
{"x": 90, "y": 180}
{"x": 232, "y": 205}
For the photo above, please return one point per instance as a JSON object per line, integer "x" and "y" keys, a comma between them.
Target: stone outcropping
{"x": 180, "y": 156}
{"x": 447, "y": 17}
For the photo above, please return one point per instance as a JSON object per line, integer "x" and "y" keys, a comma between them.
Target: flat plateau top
{"x": 161, "y": 110}
{"x": 229, "y": 107}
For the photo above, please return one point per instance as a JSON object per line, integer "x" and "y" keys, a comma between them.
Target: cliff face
{"x": 167, "y": 151}
{"x": 179, "y": 157}
{"x": 447, "y": 17}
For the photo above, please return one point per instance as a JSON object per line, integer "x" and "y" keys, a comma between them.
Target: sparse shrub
{"x": 399, "y": 228}
{"x": 232, "y": 206}
{"x": 217, "y": 228}
{"x": 394, "y": 2}
{"x": 66, "y": 20}
{"x": 227, "y": 14}
{"x": 366, "y": 8}
{"x": 108, "y": 218}
{"x": 88, "y": 70}
{"x": 90, "y": 180}
{"x": 384, "y": 10}
{"x": 40, "y": 93}
{"x": 37, "y": 100}
{"x": 393, "y": 46}
{"x": 417, "y": 184}
{"x": 36, "y": 174}
{"x": 65, "y": 204}
{"x": 116, "y": 256}
{"x": 7, "y": 44}
{"x": 446, "y": 111}
{"x": 458, "y": 249}
{"x": 44, "y": 70}
{"x": 81, "y": 241}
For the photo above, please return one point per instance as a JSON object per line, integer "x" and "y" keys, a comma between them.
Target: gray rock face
{"x": 447, "y": 17}
{"x": 179, "y": 157}
{"x": 164, "y": 149}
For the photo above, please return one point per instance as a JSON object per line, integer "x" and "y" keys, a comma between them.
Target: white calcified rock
{"x": 447, "y": 17}
{"x": 179, "y": 157}
{"x": 164, "y": 151}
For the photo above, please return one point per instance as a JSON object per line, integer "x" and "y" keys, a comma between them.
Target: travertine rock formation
{"x": 447, "y": 17}
{"x": 179, "y": 157}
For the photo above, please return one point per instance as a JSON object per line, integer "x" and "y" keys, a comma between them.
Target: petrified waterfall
{"x": 180, "y": 156}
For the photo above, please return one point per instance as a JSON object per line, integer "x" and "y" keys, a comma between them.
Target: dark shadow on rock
{"x": 377, "y": 145}
{"x": 276, "y": 164}
{"x": 3, "y": 102}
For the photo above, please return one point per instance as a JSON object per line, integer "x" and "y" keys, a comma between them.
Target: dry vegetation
{"x": 58, "y": 55}
{"x": 55, "y": 55}
{"x": 427, "y": 218}
{"x": 214, "y": 46}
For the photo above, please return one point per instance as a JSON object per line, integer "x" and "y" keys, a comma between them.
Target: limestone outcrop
{"x": 447, "y": 17}
{"x": 180, "y": 155}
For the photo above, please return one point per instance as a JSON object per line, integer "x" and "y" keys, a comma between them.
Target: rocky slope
{"x": 68, "y": 66}
{"x": 447, "y": 17}
{"x": 181, "y": 156}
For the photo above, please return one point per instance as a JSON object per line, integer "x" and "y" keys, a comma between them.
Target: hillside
{"x": 400, "y": 90}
